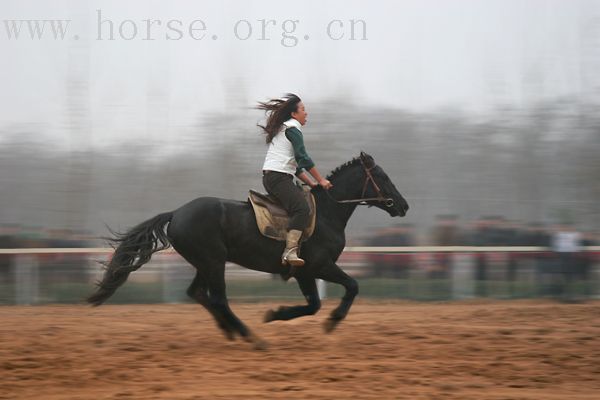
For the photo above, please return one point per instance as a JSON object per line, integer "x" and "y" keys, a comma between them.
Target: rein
{"x": 389, "y": 202}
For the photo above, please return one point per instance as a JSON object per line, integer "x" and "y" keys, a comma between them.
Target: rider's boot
{"x": 290, "y": 254}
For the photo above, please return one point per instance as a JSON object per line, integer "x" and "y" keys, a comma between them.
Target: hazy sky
{"x": 419, "y": 55}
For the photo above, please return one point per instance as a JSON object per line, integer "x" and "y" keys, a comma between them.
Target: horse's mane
{"x": 344, "y": 166}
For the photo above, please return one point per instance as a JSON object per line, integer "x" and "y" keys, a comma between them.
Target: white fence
{"x": 27, "y": 266}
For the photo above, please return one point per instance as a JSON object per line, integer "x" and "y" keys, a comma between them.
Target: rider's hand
{"x": 326, "y": 184}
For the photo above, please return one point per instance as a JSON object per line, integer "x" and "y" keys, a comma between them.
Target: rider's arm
{"x": 304, "y": 161}
{"x": 303, "y": 176}
{"x": 295, "y": 137}
{"x": 313, "y": 171}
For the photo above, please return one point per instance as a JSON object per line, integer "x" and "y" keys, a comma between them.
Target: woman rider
{"x": 286, "y": 157}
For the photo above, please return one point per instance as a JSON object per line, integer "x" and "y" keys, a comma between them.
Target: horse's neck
{"x": 346, "y": 186}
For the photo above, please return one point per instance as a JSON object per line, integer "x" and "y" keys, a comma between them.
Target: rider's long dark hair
{"x": 279, "y": 111}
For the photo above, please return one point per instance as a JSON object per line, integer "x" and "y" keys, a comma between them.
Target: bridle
{"x": 389, "y": 202}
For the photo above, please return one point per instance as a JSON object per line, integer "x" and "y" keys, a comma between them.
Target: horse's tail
{"x": 133, "y": 249}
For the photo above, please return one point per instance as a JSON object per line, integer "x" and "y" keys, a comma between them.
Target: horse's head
{"x": 396, "y": 205}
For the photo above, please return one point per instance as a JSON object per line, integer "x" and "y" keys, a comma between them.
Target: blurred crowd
{"x": 562, "y": 261}
{"x": 18, "y": 237}
{"x": 61, "y": 267}
{"x": 485, "y": 231}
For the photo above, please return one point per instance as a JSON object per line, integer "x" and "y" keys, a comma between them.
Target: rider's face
{"x": 300, "y": 114}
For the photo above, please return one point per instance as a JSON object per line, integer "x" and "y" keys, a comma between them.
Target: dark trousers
{"x": 282, "y": 187}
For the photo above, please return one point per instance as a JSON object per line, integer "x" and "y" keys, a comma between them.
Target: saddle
{"x": 272, "y": 219}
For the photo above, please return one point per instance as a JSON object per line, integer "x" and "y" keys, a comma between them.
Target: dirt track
{"x": 505, "y": 350}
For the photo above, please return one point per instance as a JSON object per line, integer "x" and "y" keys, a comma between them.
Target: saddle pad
{"x": 272, "y": 219}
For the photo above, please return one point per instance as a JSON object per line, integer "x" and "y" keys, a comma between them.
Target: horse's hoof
{"x": 260, "y": 345}
{"x": 229, "y": 335}
{"x": 269, "y": 316}
{"x": 257, "y": 343}
{"x": 330, "y": 324}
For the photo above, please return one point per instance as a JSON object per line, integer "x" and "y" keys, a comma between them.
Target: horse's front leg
{"x": 333, "y": 273}
{"x": 308, "y": 286}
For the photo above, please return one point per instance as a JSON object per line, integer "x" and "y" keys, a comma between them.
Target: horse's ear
{"x": 367, "y": 159}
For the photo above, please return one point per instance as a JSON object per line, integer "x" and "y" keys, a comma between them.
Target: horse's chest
{"x": 331, "y": 245}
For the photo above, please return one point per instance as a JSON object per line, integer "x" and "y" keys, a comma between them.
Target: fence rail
{"x": 46, "y": 275}
{"x": 352, "y": 249}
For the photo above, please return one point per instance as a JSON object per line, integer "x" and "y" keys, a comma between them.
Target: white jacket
{"x": 280, "y": 155}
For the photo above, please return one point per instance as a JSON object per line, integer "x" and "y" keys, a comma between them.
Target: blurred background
{"x": 484, "y": 114}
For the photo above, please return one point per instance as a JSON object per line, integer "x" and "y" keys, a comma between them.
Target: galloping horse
{"x": 210, "y": 231}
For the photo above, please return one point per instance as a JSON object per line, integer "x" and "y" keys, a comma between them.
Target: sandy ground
{"x": 397, "y": 350}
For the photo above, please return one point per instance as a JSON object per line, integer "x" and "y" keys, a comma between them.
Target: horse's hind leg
{"x": 208, "y": 287}
{"x": 310, "y": 292}
{"x": 198, "y": 291}
{"x": 217, "y": 299}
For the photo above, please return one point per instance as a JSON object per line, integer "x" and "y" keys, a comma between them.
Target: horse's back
{"x": 201, "y": 216}
{"x": 210, "y": 224}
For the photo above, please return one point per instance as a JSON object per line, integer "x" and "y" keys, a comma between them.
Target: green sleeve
{"x": 302, "y": 158}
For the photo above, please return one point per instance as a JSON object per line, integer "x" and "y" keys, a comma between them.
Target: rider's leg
{"x": 292, "y": 244}
{"x": 293, "y": 201}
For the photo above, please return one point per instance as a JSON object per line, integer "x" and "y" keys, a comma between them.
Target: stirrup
{"x": 298, "y": 262}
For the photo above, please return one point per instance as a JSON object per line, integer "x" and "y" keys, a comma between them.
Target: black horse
{"x": 209, "y": 231}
